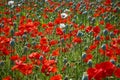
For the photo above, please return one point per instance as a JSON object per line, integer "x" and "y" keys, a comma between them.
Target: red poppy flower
{"x": 76, "y": 40}
{"x": 96, "y": 29}
{"x": 53, "y": 42}
{"x": 56, "y": 77}
{"x": 59, "y": 31}
{"x": 117, "y": 73}
{"x": 24, "y": 68}
{"x": 7, "y": 78}
{"x": 55, "y": 52}
{"x": 15, "y": 57}
{"x": 44, "y": 41}
{"x": 109, "y": 26}
{"x": 88, "y": 29}
{"x": 88, "y": 57}
{"x": 107, "y": 67}
{"x": 107, "y": 2}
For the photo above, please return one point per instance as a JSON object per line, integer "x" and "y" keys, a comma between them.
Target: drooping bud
{"x": 65, "y": 60}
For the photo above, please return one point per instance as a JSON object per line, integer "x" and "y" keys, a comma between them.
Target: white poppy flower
{"x": 62, "y": 25}
{"x": 64, "y": 15}
{"x": 10, "y": 2}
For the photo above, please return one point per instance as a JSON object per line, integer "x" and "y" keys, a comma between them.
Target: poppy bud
{"x": 62, "y": 40}
{"x": 106, "y": 19}
{"x": 12, "y": 32}
{"x": 60, "y": 0}
{"x": 89, "y": 63}
{"x": 112, "y": 61}
{"x": 33, "y": 43}
{"x": 24, "y": 36}
{"x": 80, "y": 23}
{"x": 97, "y": 37}
{"x": 41, "y": 58}
{"x": 89, "y": 18}
{"x": 112, "y": 34}
{"x": 105, "y": 32}
{"x": 73, "y": 20}
{"x": 86, "y": 47}
{"x": 85, "y": 76}
{"x": 73, "y": 6}
{"x": 84, "y": 55}
{"x": 17, "y": 14}
{"x": 15, "y": 25}
{"x": 1, "y": 63}
{"x": 75, "y": 17}
{"x": 103, "y": 47}
{"x": 64, "y": 30}
{"x": 1, "y": 25}
{"x": 90, "y": 33}
{"x": 65, "y": 60}
{"x": 79, "y": 34}
{"x": 66, "y": 78}
{"x": 25, "y": 49}
{"x": 85, "y": 12}
{"x": 12, "y": 6}
{"x": 12, "y": 43}
{"x": 118, "y": 65}
{"x": 93, "y": 20}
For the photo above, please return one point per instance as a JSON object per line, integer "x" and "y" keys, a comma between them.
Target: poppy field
{"x": 59, "y": 39}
